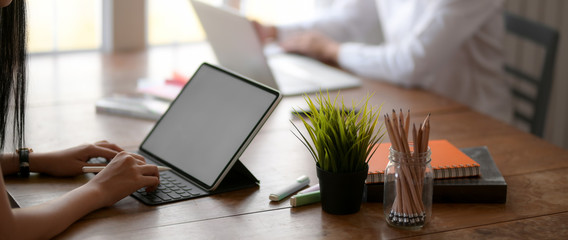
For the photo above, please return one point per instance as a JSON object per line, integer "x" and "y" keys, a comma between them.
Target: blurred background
{"x": 67, "y": 26}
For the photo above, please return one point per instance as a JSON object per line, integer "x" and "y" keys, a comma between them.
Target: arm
{"x": 425, "y": 48}
{"x": 63, "y": 163}
{"x": 346, "y": 20}
{"x": 124, "y": 174}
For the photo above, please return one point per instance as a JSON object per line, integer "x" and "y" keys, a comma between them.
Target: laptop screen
{"x": 209, "y": 124}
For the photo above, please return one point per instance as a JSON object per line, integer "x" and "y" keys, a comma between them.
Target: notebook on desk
{"x": 204, "y": 132}
{"x": 488, "y": 187}
{"x": 237, "y": 47}
{"x": 447, "y": 162}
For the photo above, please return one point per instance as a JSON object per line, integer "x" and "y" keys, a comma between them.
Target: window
{"x": 278, "y": 11}
{"x": 71, "y": 25}
{"x": 64, "y": 25}
{"x": 174, "y": 21}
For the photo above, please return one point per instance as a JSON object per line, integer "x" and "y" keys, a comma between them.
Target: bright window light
{"x": 64, "y": 25}
{"x": 174, "y": 21}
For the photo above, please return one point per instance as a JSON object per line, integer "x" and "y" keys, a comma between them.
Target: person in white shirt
{"x": 450, "y": 47}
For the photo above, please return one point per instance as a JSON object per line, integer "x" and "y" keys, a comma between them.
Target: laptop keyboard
{"x": 172, "y": 188}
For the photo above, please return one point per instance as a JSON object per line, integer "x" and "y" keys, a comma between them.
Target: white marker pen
{"x": 300, "y": 182}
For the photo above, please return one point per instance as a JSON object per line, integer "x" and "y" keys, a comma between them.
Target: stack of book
{"x": 468, "y": 175}
{"x": 133, "y": 105}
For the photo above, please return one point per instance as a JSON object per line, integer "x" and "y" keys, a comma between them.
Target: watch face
{"x": 24, "y": 161}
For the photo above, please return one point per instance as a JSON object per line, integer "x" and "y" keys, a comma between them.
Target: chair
{"x": 547, "y": 38}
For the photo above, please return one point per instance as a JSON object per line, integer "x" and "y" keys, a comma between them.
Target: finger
{"x": 139, "y": 160}
{"x": 103, "y": 152}
{"x": 93, "y": 164}
{"x": 152, "y": 172}
{"x": 107, "y": 144}
{"x": 150, "y": 182}
{"x": 149, "y": 170}
{"x": 288, "y": 46}
{"x": 138, "y": 156}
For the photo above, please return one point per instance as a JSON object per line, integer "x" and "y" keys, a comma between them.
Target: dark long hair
{"x": 13, "y": 72}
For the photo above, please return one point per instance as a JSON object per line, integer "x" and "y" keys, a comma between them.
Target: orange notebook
{"x": 447, "y": 162}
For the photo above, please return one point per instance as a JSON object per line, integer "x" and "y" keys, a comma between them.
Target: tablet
{"x": 209, "y": 125}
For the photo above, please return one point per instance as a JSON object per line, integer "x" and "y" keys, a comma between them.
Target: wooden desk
{"x": 63, "y": 90}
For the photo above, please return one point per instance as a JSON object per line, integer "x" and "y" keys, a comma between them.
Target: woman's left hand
{"x": 69, "y": 162}
{"x": 312, "y": 44}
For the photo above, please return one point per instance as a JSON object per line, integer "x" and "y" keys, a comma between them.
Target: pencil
{"x": 96, "y": 169}
{"x": 408, "y": 207}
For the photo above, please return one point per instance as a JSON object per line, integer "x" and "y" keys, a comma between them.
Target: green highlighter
{"x": 305, "y": 198}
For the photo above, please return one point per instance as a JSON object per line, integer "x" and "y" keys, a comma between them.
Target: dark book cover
{"x": 489, "y": 187}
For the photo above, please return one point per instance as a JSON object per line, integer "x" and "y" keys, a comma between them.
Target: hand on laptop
{"x": 126, "y": 173}
{"x": 312, "y": 44}
{"x": 265, "y": 33}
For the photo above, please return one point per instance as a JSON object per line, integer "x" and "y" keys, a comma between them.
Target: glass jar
{"x": 408, "y": 182}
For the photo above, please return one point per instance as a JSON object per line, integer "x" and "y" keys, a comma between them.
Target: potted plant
{"x": 340, "y": 140}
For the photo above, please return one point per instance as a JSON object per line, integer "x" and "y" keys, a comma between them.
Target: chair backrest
{"x": 547, "y": 38}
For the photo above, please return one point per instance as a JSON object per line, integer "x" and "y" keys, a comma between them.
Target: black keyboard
{"x": 172, "y": 188}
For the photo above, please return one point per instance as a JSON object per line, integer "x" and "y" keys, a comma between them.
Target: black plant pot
{"x": 341, "y": 193}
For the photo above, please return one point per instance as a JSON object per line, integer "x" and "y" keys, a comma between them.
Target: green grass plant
{"x": 340, "y": 138}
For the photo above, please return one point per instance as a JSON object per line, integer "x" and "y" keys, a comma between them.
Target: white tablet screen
{"x": 209, "y": 123}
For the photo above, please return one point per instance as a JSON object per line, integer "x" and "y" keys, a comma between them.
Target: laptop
{"x": 237, "y": 47}
{"x": 204, "y": 132}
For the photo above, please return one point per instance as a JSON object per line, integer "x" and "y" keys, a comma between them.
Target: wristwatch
{"x": 24, "y": 154}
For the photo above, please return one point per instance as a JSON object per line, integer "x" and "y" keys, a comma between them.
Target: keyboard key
{"x": 163, "y": 196}
{"x": 174, "y": 195}
{"x": 171, "y": 188}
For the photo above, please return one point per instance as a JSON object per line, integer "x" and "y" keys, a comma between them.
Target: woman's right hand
{"x": 126, "y": 173}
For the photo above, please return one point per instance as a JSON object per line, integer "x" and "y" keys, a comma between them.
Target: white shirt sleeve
{"x": 346, "y": 20}
{"x": 433, "y": 39}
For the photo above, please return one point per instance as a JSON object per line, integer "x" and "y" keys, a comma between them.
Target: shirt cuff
{"x": 347, "y": 57}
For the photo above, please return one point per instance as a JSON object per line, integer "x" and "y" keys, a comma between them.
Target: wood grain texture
{"x": 532, "y": 200}
{"x": 62, "y": 114}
